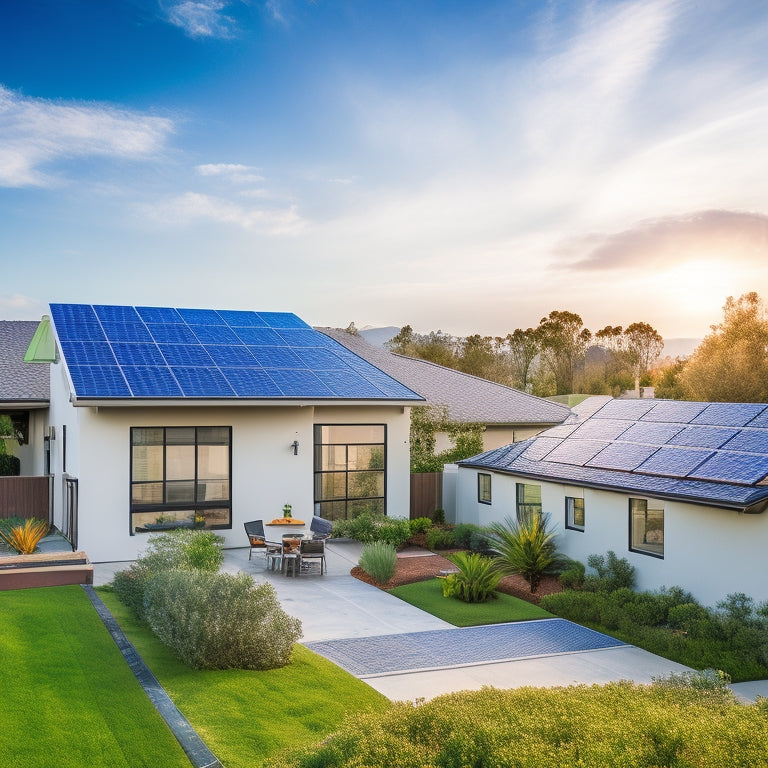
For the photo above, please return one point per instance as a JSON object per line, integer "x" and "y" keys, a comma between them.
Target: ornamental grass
{"x": 25, "y": 537}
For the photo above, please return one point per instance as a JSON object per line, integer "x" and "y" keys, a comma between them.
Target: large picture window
{"x": 180, "y": 477}
{"x": 528, "y": 501}
{"x": 350, "y": 470}
{"x": 574, "y": 513}
{"x": 646, "y": 527}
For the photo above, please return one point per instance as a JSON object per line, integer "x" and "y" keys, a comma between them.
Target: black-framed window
{"x": 181, "y": 477}
{"x": 646, "y": 527}
{"x": 574, "y": 513}
{"x": 350, "y": 469}
{"x": 483, "y": 488}
{"x": 528, "y": 501}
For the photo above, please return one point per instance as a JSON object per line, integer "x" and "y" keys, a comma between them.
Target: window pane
{"x": 147, "y": 435}
{"x": 334, "y": 457}
{"x": 213, "y": 490}
{"x": 333, "y": 485}
{"x": 574, "y": 513}
{"x": 180, "y": 462}
{"x": 180, "y": 492}
{"x": 647, "y": 527}
{"x": 180, "y": 436}
{"x": 528, "y": 501}
{"x": 368, "y": 506}
{"x": 484, "y": 488}
{"x": 212, "y": 462}
{"x": 147, "y": 493}
{"x": 332, "y": 510}
{"x": 147, "y": 462}
{"x": 366, "y": 457}
{"x": 353, "y": 433}
{"x": 364, "y": 484}
{"x": 213, "y": 435}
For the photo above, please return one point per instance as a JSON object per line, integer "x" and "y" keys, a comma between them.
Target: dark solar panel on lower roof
{"x": 674, "y": 462}
{"x": 703, "y": 437}
{"x": 89, "y": 352}
{"x": 624, "y": 409}
{"x": 541, "y": 447}
{"x": 575, "y": 451}
{"x": 651, "y": 433}
{"x": 99, "y": 381}
{"x": 752, "y": 440}
{"x": 623, "y": 456}
{"x": 151, "y": 381}
{"x": 731, "y": 467}
{"x": 601, "y": 429}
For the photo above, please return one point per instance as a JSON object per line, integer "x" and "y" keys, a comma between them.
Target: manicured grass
{"x": 68, "y": 698}
{"x": 428, "y": 595}
{"x": 245, "y": 716}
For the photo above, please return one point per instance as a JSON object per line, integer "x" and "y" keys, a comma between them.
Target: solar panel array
{"x": 117, "y": 352}
{"x": 718, "y": 442}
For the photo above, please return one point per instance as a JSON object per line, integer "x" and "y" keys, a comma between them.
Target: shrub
{"x": 526, "y": 547}
{"x": 573, "y": 574}
{"x": 220, "y": 621}
{"x": 702, "y": 680}
{"x": 463, "y": 534}
{"x": 439, "y": 538}
{"x": 420, "y": 525}
{"x": 25, "y": 536}
{"x": 369, "y": 527}
{"x": 379, "y": 561}
{"x": 476, "y": 580}
{"x": 438, "y": 518}
{"x": 612, "y": 573}
{"x": 9, "y": 465}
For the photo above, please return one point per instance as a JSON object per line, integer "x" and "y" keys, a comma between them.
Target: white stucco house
{"x": 678, "y": 488}
{"x": 167, "y": 416}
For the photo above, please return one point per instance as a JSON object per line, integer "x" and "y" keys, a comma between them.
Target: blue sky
{"x": 454, "y": 165}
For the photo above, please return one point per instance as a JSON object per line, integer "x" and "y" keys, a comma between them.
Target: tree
{"x": 731, "y": 363}
{"x": 564, "y": 343}
{"x": 477, "y": 356}
{"x": 524, "y": 347}
{"x": 642, "y": 347}
{"x": 436, "y": 346}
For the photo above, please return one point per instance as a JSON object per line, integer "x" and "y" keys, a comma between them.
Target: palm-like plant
{"x": 526, "y": 547}
{"x": 476, "y": 580}
{"x": 25, "y": 538}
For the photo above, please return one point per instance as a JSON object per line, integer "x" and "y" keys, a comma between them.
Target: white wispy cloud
{"x": 202, "y": 18}
{"x": 234, "y": 172}
{"x": 36, "y": 133}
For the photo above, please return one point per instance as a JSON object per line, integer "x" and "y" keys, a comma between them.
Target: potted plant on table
{"x": 286, "y": 510}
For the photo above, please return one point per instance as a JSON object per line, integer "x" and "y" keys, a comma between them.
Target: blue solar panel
{"x": 215, "y": 334}
{"x": 259, "y": 337}
{"x": 299, "y": 383}
{"x": 173, "y": 334}
{"x": 577, "y": 452}
{"x": 251, "y": 382}
{"x": 151, "y": 381}
{"x": 138, "y": 354}
{"x": 305, "y": 337}
{"x": 754, "y": 440}
{"x": 541, "y": 447}
{"x": 321, "y": 360}
{"x": 230, "y": 356}
{"x": 703, "y": 437}
{"x": 648, "y": 432}
{"x": 238, "y": 319}
{"x": 126, "y": 331}
{"x": 385, "y": 384}
{"x": 277, "y": 357}
{"x": 98, "y": 381}
{"x": 202, "y": 382}
{"x": 201, "y": 316}
{"x": 624, "y": 409}
{"x": 674, "y": 462}
{"x": 282, "y": 320}
{"x": 731, "y": 467}
{"x": 729, "y": 414}
{"x": 760, "y": 421}
{"x": 186, "y": 355}
{"x": 675, "y": 411}
{"x": 159, "y": 315}
{"x": 88, "y": 352}
{"x": 347, "y": 383}
{"x": 601, "y": 429}
{"x": 110, "y": 314}
{"x": 623, "y": 456}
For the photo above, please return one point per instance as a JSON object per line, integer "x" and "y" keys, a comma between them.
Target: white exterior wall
{"x": 708, "y": 551}
{"x": 31, "y": 455}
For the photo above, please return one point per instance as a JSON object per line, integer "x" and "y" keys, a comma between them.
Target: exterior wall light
{"x": 295, "y": 446}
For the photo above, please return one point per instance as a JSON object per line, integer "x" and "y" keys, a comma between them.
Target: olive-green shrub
{"x": 440, "y": 538}
{"x": 370, "y": 527}
{"x": 612, "y": 573}
{"x": 220, "y": 620}
{"x": 420, "y": 525}
{"x": 379, "y": 561}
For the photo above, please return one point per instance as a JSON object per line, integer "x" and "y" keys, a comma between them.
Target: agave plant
{"x": 24, "y": 538}
{"x": 476, "y": 580}
{"x": 526, "y": 547}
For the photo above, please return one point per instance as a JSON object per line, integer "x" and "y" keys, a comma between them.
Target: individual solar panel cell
{"x": 703, "y": 437}
{"x": 676, "y": 411}
{"x": 172, "y": 334}
{"x": 98, "y": 381}
{"x": 347, "y": 383}
{"x": 151, "y": 381}
{"x": 299, "y": 383}
{"x": 238, "y": 319}
{"x": 230, "y": 356}
{"x": 732, "y": 467}
{"x": 624, "y": 409}
{"x": 321, "y": 359}
{"x": 622, "y": 456}
{"x": 159, "y": 315}
{"x": 674, "y": 462}
{"x": 305, "y": 337}
{"x": 215, "y": 334}
{"x": 541, "y": 447}
{"x": 109, "y": 314}
{"x": 138, "y": 354}
{"x": 753, "y": 440}
{"x": 186, "y": 355}
{"x": 282, "y": 320}
{"x": 601, "y": 429}
{"x": 651, "y": 433}
{"x": 251, "y": 382}
{"x": 201, "y": 316}
{"x": 276, "y": 357}
{"x": 729, "y": 414}
{"x": 261, "y": 337}
{"x": 577, "y": 452}
{"x": 202, "y": 382}
{"x": 116, "y": 331}
{"x": 87, "y": 353}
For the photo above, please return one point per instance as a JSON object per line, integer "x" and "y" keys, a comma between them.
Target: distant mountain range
{"x": 379, "y": 336}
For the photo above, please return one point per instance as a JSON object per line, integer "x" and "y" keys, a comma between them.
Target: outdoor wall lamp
{"x": 295, "y": 446}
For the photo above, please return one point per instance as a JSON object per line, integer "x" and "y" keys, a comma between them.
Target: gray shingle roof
{"x": 704, "y": 453}
{"x": 467, "y": 398}
{"x": 19, "y": 381}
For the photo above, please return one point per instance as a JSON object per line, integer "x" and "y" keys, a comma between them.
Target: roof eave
{"x": 172, "y": 402}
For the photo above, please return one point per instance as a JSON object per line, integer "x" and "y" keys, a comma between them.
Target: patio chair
{"x": 313, "y": 549}
{"x": 320, "y": 528}
{"x": 258, "y": 541}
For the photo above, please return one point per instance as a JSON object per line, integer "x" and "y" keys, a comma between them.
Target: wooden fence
{"x": 426, "y": 494}
{"x": 25, "y": 497}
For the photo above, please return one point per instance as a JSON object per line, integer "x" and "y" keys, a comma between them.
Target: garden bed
{"x": 45, "y": 569}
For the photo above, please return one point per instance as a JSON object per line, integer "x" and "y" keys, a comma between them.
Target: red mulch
{"x": 411, "y": 569}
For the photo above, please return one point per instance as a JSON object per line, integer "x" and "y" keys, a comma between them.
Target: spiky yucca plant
{"x": 24, "y": 538}
{"x": 476, "y": 580}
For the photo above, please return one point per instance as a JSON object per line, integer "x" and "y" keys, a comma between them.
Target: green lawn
{"x": 68, "y": 698}
{"x": 244, "y": 716}
{"x": 428, "y": 595}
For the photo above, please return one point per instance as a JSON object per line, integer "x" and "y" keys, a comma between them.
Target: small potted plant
{"x": 286, "y": 510}
{"x": 199, "y": 521}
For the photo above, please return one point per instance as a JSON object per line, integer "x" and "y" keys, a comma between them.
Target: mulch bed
{"x": 412, "y": 568}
